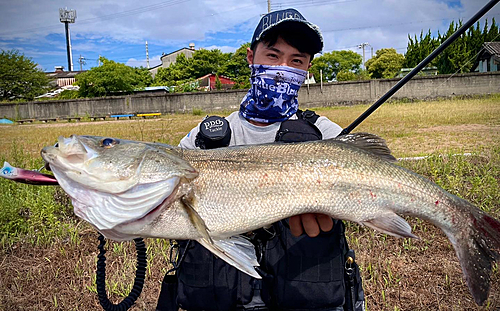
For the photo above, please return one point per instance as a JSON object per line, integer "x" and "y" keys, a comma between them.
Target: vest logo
{"x": 213, "y": 125}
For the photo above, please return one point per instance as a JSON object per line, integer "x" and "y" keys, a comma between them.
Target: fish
{"x": 128, "y": 189}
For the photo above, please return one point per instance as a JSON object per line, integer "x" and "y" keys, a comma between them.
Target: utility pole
{"x": 81, "y": 60}
{"x": 147, "y": 54}
{"x": 268, "y": 6}
{"x": 68, "y": 16}
{"x": 362, "y": 46}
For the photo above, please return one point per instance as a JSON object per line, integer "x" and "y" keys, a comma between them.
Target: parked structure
{"x": 168, "y": 59}
{"x": 488, "y": 59}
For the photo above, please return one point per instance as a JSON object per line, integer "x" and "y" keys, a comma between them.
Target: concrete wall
{"x": 331, "y": 94}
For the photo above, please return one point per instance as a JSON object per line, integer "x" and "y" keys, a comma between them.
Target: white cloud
{"x": 155, "y": 61}
{"x": 224, "y": 48}
{"x": 126, "y": 20}
{"x": 106, "y": 26}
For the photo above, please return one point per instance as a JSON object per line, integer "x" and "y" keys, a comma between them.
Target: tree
{"x": 188, "y": 69}
{"x": 175, "y": 74}
{"x": 218, "y": 84}
{"x": 237, "y": 67}
{"x": 417, "y": 49}
{"x": 459, "y": 56}
{"x": 385, "y": 64}
{"x": 144, "y": 77}
{"x": 204, "y": 62}
{"x": 20, "y": 77}
{"x": 455, "y": 58}
{"x": 111, "y": 78}
{"x": 331, "y": 63}
{"x": 351, "y": 76}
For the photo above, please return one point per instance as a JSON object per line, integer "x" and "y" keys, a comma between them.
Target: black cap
{"x": 289, "y": 18}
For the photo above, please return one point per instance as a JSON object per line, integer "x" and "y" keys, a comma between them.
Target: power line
{"x": 302, "y": 4}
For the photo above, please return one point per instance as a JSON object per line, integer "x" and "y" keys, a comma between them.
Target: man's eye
{"x": 272, "y": 55}
{"x": 298, "y": 61}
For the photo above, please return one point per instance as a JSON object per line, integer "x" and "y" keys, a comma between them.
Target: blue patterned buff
{"x": 273, "y": 95}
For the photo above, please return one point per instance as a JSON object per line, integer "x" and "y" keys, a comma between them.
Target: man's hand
{"x": 311, "y": 223}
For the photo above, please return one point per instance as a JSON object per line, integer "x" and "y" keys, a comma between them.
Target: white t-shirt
{"x": 246, "y": 133}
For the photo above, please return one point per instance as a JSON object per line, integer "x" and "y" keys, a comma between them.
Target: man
{"x": 300, "y": 271}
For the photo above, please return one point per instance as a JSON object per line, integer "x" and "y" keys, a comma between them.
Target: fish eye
{"x": 108, "y": 142}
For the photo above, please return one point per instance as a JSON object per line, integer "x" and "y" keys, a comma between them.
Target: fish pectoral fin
{"x": 392, "y": 224}
{"x": 196, "y": 220}
{"x": 236, "y": 251}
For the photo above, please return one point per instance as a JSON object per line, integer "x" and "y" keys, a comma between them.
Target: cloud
{"x": 153, "y": 62}
{"x": 224, "y": 48}
{"x": 126, "y": 20}
{"x": 119, "y": 29}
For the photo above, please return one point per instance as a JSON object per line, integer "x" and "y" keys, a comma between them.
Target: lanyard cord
{"x": 140, "y": 275}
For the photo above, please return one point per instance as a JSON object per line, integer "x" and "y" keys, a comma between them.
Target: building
{"x": 488, "y": 59}
{"x": 208, "y": 82}
{"x": 62, "y": 78}
{"x": 169, "y": 59}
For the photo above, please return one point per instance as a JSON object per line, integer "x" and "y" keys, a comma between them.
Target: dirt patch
{"x": 398, "y": 274}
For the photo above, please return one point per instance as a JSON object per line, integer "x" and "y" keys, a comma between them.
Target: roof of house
{"x": 176, "y": 52}
{"x": 492, "y": 47}
{"x": 212, "y": 74}
{"x": 159, "y": 65}
{"x": 63, "y": 74}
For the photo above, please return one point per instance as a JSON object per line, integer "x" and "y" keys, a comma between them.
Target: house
{"x": 208, "y": 82}
{"x": 168, "y": 59}
{"x": 62, "y": 78}
{"x": 488, "y": 58}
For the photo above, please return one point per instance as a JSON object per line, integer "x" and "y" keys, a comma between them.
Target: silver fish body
{"x": 214, "y": 195}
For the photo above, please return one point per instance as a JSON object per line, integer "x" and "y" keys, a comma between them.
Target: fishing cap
{"x": 289, "y": 19}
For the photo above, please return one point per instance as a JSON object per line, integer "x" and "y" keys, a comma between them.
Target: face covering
{"x": 273, "y": 95}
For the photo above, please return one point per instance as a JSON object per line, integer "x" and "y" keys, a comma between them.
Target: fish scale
{"x": 278, "y": 190}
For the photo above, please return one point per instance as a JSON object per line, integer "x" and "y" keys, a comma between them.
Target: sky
{"x": 118, "y": 30}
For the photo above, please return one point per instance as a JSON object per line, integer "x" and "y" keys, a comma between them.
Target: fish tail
{"x": 477, "y": 250}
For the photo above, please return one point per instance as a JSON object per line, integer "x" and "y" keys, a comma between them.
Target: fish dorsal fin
{"x": 236, "y": 251}
{"x": 368, "y": 142}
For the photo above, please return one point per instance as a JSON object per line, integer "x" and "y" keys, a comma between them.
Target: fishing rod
{"x": 419, "y": 67}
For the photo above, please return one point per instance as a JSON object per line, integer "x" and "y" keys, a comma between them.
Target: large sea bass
{"x": 128, "y": 189}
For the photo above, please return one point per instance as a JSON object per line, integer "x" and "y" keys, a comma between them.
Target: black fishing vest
{"x": 299, "y": 273}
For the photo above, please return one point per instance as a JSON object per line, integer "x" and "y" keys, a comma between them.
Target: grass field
{"x": 48, "y": 256}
